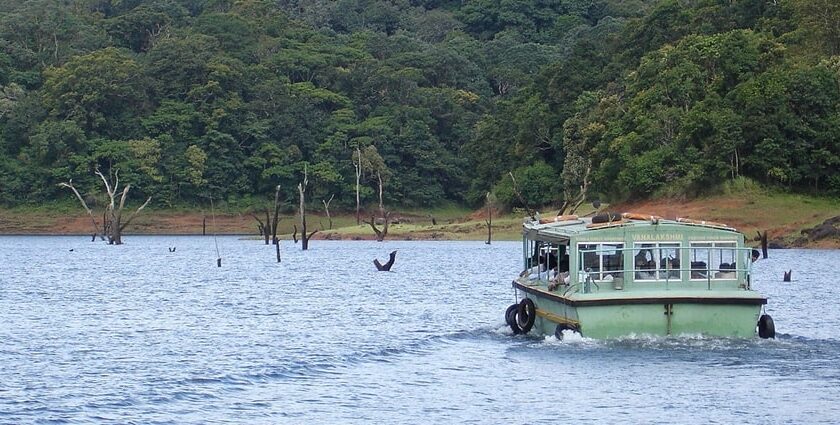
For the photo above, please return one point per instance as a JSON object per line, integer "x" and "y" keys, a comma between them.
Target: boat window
{"x": 546, "y": 260}
{"x": 656, "y": 261}
{"x": 602, "y": 260}
{"x": 713, "y": 260}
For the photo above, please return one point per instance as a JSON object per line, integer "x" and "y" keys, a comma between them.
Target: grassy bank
{"x": 784, "y": 216}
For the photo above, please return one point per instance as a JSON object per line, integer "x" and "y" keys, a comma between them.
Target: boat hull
{"x": 656, "y": 313}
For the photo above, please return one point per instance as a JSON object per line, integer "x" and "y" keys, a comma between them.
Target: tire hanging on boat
{"x": 526, "y": 314}
{"x": 510, "y": 318}
{"x": 558, "y": 331}
{"x": 766, "y": 328}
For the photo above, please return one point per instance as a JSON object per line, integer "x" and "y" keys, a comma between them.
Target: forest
{"x": 441, "y": 101}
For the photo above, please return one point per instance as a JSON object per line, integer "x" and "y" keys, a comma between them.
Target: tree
{"x": 327, "y": 209}
{"x": 489, "y": 219}
{"x": 357, "y": 165}
{"x": 114, "y": 225}
{"x": 304, "y": 238}
{"x": 821, "y": 18}
{"x": 380, "y": 234}
{"x": 102, "y": 91}
{"x": 268, "y": 228}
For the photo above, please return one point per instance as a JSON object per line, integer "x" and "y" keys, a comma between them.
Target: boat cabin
{"x": 633, "y": 252}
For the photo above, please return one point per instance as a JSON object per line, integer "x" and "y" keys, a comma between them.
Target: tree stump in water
{"x": 786, "y": 278}
{"x": 762, "y": 237}
{"x": 387, "y": 266}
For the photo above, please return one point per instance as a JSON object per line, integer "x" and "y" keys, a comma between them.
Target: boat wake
{"x": 316, "y": 366}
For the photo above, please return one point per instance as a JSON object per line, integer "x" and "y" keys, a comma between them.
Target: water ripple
{"x": 135, "y": 334}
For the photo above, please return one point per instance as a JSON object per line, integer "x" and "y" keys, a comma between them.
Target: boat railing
{"x": 700, "y": 267}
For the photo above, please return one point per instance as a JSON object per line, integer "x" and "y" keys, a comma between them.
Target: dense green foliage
{"x": 190, "y": 99}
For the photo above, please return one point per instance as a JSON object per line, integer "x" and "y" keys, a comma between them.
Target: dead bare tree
{"x": 387, "y": 266}
{"x": 276, "y": 218}
{"x": 69, "y": 185}
{"x": 381, "y": 205}
{"x": 385, "y": 215}
{"x": 762, "y": 237}
{"x": 489, "y": 219}
{"x": 327, "y": 209}
{"x": 380, "y": 234}
{"x": 113, "y": 225}
{"x": 268, "y": 228}
{"x": 304, "y": 238}
{"x": 264, "y": 227}
{"x": 358, "y": 166}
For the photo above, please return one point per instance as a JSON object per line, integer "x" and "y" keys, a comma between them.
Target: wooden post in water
{"x": 763, "y": 238}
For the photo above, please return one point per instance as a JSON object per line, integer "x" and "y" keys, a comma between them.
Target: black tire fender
{"x": 558, "y": 331}
{"x": 766, "y": 327}
{"x": 510, "y": 318}
{"x": 526, "y": 314}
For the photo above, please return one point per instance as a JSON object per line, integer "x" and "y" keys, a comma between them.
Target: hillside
{"x": 433, "y": 101}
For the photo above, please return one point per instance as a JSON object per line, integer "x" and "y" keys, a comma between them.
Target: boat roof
{"x": 568, "y": 227}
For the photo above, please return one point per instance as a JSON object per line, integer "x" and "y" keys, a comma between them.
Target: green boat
{"x": 614, "y": 275}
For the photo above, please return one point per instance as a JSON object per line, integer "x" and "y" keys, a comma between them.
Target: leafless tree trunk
{"x": 69, "y": 185}
{"x": 268, "y": 228}
{"x": 380, "y": 234}
{"x": 116, "y": 226}
{"x": 386, "y": 215}
{"x": 381, "y": 207}
{"x": 263, "y": 227}
{"x": 762, "y": 237}
{"x": 276, "y": 216}
{"x": 327, "y": 209}
{"x": 304, "y": 238}
{"x": 358, "y": 167}
{"x": 387, "y": 266}
{"x": 489, "y": 219}
{"x": 113, "y": 225}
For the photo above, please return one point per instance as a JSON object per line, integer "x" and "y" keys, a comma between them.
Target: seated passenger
{"x": 533, "y": 272}
{"x": 562, "y": 278}
{"x": 645, "y": 269}
{"x": 727, "y": 271}
{"x": 671, "y": 268}
{"x": 698, "y": 269}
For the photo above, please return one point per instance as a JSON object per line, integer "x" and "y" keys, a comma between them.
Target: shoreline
{"x": 789, "y": 221}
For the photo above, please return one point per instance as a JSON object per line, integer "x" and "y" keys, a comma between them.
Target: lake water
{"x": 91, "y": 333}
